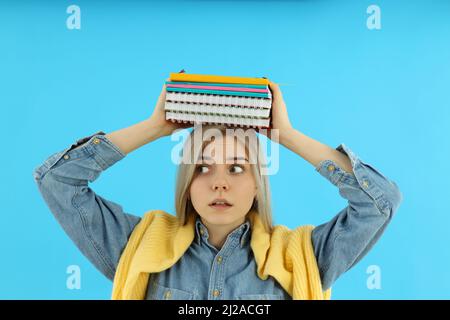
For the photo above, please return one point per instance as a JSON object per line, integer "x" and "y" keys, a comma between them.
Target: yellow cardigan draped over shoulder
{"x": 159, "y": 240}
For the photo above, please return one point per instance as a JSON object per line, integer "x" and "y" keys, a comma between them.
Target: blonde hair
{"x": 186, "y": 170}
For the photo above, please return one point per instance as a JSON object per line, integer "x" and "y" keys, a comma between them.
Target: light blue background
{"x": 384, "y": 93}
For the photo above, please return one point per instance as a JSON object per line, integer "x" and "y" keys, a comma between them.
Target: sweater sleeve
{"x": 99, "y": 227}
{"x": 372, "y": 201}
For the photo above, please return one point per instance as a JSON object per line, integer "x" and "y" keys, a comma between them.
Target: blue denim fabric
{"x": 100, "y": 228}
{"x": 206, "y": 273}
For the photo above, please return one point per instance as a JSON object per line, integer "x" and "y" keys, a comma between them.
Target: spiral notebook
{"x": 213, "y": 99}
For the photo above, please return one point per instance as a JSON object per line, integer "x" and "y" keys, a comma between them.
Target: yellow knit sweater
{"x": 158, "y": 241}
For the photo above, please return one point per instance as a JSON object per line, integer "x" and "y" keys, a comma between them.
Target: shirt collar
{"x": 242, "y": 232}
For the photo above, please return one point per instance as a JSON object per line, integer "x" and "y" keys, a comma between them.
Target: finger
{"x": 274, "y": 88}
{"x": 273, "y": 85}
{"x": 164, "y": 85}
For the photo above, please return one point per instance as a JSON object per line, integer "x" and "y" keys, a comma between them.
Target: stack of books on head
{"x": 210, "y": 99}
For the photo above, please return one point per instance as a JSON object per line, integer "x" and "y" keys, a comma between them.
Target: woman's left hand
{"x": 280, "y": 119}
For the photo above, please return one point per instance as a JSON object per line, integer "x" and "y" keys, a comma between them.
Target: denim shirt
{"x": 228, "y": 273}
{"x": 100, "y": 228}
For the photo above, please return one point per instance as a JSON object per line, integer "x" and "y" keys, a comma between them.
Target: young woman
{"x": 221, "y": 244}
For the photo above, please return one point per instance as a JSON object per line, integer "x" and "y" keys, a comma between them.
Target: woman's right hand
{"x": 158, "y": 118}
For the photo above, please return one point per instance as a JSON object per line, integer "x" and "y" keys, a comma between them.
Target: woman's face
{"x": 224, "y": 173}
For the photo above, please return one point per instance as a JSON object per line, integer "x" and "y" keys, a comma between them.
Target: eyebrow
{"x": 233, "y": 158}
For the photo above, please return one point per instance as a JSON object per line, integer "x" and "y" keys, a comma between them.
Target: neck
{"x": 218, "y": 233}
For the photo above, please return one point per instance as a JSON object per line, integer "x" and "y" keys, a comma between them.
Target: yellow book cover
{"x": 188, "y": 77}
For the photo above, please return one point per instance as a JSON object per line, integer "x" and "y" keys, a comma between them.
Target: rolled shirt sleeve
{"x": 99, "y": 227}
{"x": 372, "y": 201}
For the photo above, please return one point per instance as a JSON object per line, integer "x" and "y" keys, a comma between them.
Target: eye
{"x": 202, "y": 168}
{"x": 238, "y": 167}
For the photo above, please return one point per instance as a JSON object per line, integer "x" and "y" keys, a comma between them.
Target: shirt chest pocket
{"x": 265, "y": 296}
{"x": 160, "y": 292}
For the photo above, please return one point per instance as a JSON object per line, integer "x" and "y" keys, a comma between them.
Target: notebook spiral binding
{"x": 236, "y": 109}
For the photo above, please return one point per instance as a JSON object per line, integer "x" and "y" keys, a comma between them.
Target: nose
{"x": 220, "y": 184}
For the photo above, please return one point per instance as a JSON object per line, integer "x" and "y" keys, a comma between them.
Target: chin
{"x": 220, "y": 217}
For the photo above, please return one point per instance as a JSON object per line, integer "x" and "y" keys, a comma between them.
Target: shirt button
{"x": 216, "y": 293}
{"x": 219, "y": 259}
{"x": 66, "y": 156}
{"x": 96, "y": 140}
{"x": 201, "y": 231}
{"x": 331, "y": 167}
{"x": 365, "y": 183}
{"x": 167, "y": 295}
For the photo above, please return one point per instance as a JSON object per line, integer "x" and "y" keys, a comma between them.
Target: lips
{"x": 220, "y": 202}
{"x": 220, "y": 207}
